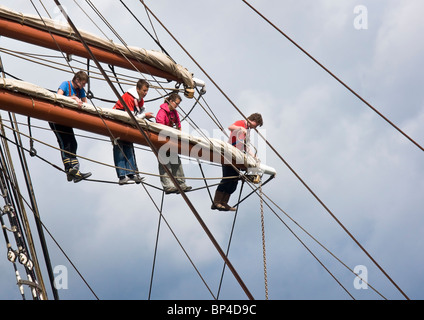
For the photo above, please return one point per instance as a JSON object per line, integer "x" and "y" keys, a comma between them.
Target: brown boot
{"x": 224, "y": 203}
{"x": 216, "y": 204}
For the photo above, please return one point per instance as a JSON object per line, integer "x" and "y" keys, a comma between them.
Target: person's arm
{"x": 160, "y": 117}
{"x": 78, "y": 100}
{"x": 177, "y": 117}
{"x": 238, "y": 125}
{"x": 147, "y": 115}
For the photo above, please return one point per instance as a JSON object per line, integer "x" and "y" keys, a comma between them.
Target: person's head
{"x": 173, "y": 100}
{"x": 142, "y": 88}
{"x": 80, "y": 79}
{"x": 255, "y": 120}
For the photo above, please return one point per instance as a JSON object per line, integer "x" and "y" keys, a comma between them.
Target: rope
{"x": 261, "y": 197}
{"x": 263, "y": 241}
{"x": 142, "y": 131}
{"x": 281, "y": 158}
{"x": 338, "y": 79}
{"x": 229, "y": 241}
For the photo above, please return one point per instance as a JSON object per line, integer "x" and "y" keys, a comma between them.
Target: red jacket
{"x": 237, "y": 138}
{"x": 167, "y": 117}
{"x": 131, "y": 101}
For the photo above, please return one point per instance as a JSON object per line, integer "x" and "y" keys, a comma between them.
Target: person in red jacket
{"x": 239, "y": 138}
{"x": 123, "y": 151}
{"x": 168, "y": 116}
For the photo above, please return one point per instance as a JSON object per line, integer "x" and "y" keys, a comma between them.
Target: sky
{"x": 363, "y": 170}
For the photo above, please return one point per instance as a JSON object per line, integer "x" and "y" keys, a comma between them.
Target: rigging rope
{"x": 281, "y": 221}
{"x": 369, "y": 105}
{"x": 261, "y": 196}
{"x": 279, "y": 156}
{"x": 142, "y": 131}
{"x": 263, "y": 240}
{"x": 334, "y": 76}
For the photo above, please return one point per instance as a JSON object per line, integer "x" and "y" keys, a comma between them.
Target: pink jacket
{"x": 167, "y": 117}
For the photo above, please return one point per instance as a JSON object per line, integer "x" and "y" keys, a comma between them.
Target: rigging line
{"x": 106, "y": 22}
{"x": 229, "y": 243}
{"x": 244, "y": 179}
{"x": 31, "y": 193}
{"x": 13, "y": 200}
{"x": 206, "y": 184}
{"x": 334, "y": 76}
{"x": 145, "y": 29}
{"x": 254, "y": 190}
{"x": 96, "y": 161}
{"x": 156, "y": 246}
{"x": 178, "y": 241}
{"x": 9, "y": 248}
{"x": 110, "y": 182}
{"x": 11, "y": 253}
{"x": 192, "y": 208}
{"x": 328, "y": 271}
{"x": 263, "y": 240}
{"x": 195, "y": 103}
{"x": 51, "y": 34}
{"x": 52, "y": 237}
{"x": 282, "y": 221}
{"x": 67, "y": 258}
{"x": 219, "y": 125}
{"x": 315, "y": 240}
{"x": 310, "y": 251}
{"x": 182, "y": 47}
{"x": 336, "y": 219}
{"x": 281, "y": 158}
{"x": 56, "y": 66}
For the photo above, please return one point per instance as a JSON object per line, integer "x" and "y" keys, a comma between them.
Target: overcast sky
{"x": 367, "y": 173}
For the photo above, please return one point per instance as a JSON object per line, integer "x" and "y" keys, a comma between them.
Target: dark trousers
{"x": 228, "y": 185}
{"x": 67, "y": 142}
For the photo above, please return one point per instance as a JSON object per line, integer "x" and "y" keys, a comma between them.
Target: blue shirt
{"x": 80, "y": 93}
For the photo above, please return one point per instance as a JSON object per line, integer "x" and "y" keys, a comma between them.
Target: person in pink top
{"x": 240, "y": 131}
{"x": 168, "y": 115}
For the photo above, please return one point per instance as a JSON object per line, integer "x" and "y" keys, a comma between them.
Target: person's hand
{"x": 78, "y": 100}
{"x": 150, "y": 115}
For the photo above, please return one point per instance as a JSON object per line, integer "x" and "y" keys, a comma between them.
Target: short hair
{"x": 142, "y": 83}
{"x": 257, "y": 117}
{"x": 81, "y": 76}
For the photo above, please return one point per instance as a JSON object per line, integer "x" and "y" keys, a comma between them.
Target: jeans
{"x": 124, "y": 157}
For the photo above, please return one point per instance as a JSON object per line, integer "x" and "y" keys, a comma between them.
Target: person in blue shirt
{"x": 64, "y": 134}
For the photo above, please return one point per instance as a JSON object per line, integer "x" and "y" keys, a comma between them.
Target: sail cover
{"x": 153, "y": 58}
